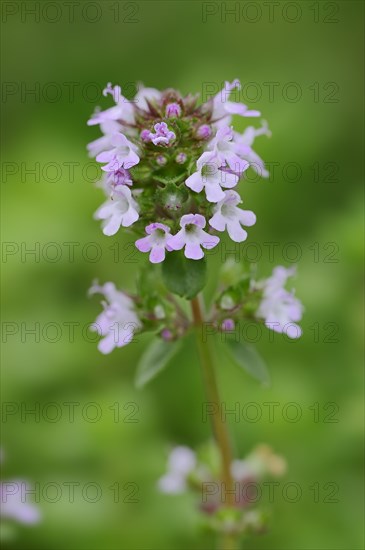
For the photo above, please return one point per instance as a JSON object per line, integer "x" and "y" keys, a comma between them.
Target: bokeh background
{"x": 311, "y": 53}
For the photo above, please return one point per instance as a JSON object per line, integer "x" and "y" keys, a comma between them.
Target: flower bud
{"x": 166, "y": 335}
{"x": 204, "y": 132}
{"x": 173, "y": 110}
{"x": 228, "y": 325}
{"x": 161, "y": 160}
{"x": 227, "y": 302}
{"x": 145, "y": 136}
{"x": 159, "y": 312}
{"x": 181, "y": 158}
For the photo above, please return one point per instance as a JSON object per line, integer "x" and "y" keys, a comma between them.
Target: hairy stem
{"x": 211, "y": 388}
{"x": 229, "y": 541}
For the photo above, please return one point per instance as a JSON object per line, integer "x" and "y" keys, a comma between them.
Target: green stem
{"x": 230, "y": 542}
{"x": 219, "y": 427}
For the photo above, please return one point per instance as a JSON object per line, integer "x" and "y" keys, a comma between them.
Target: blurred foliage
{"x": 170, "y": 46}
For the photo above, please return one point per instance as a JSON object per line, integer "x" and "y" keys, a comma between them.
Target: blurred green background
{"x": 317, "y": 125}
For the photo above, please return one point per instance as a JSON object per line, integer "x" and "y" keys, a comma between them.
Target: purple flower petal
{"x": 107, "y": 344}
{"x": 214, "y": 192}
{"x": 193, "y": 251}
{"x": 247, "y": 217}
{"x": 144, "y": 244}
{"x": 112, "y": 225}
{"x": 157, "y": 254}
{"x": 177, "y": 241}
{"x": 129, "y": 217}
{"x": 236, "y": 232}
{"x": 210, "y": 241}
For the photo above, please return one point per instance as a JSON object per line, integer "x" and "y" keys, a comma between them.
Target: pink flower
{"x": 192, "y": 236}
{"x": 228, "y": 216}
{"x": 244, "y": 149}
{"x": 122, "y": 111}
{"x": 14, "y": 505}
{"x": 121, "y": 210}
{"x": 225, "y": 149}
{"x": 117, "y": 178}
{"x": 145, "y": 96}
{"x": 109, "y": 128}
{"x": 181, "y": 463}
{"x": 210, "y": 178}
{"x": 123, "y": 154}
{"x": 118, "y": 322}
{"x": 163, "y": 135}
{"x": 115, "y": 92}
{"x": 223, "y": 109}
{"x": 279, "y": 308}
{"x": 155, "y": 242}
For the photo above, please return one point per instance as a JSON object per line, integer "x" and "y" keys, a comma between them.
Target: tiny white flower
{"x": 228, "y": 216}
{"x": 172, "y": 484}
{"x": 193, "y": 237}
{"x": 109, "y": 128}
{"x": 210, "y": 178}
{"x": 225, "y": 150}
{"x": 279, "y": 308}
{"x": 121, "y": 210}
{"x": 181, "y": 462}
{"x": 145, "y": 95}
{"x": 118, "y": 322}
{"x": 244, "y": 149}
{"x": 240, "y": 470}
{"x": 123, "y": 154}
{"x": 223, "y": 108}
{"x": 14, "y": 505}
{"x": 156, "y": 241}
{"x": 123, "y": 110}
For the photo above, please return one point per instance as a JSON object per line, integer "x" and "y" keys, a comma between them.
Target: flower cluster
{"x": 200, "y": 472}
{"x": 170, "y": 166}
{"x": 171, "y": 171}
{"x": 153, "y": 308}
{"x": 265, "y": 300}
{"x": 124, "y": 315}
{"x": 279, "y": 308}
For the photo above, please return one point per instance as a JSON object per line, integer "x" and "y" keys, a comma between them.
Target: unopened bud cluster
{"x": 199, "y": 472}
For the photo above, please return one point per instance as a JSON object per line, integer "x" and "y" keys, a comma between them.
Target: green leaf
{"x": 154, "y": 360}
{"x": 183, "y": 276}
{"x": 248, "y": 358}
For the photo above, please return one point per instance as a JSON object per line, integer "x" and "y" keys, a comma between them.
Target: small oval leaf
{"x": 183, "y": 276}
{"x": 154, "y": 359}
{"x": 248, "y": 358}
